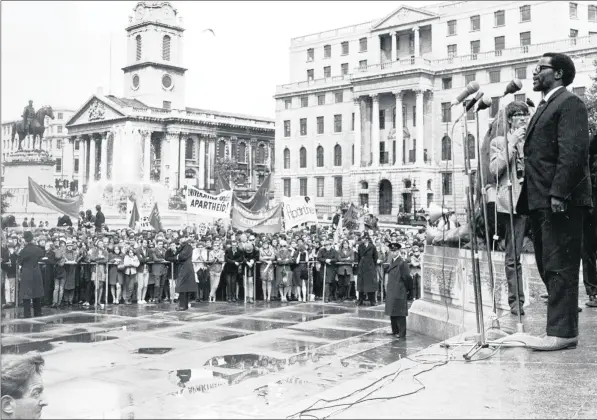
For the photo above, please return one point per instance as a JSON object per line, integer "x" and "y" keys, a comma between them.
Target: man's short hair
{"x": 17, "y": 371}
{"x": 563, "y": 62}
{"x": 516, "y": 107}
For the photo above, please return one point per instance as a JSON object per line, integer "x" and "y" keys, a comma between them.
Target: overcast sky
{"x": 58, "y": 53}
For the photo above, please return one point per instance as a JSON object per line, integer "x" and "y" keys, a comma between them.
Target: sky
{"x": 58, "y": 52}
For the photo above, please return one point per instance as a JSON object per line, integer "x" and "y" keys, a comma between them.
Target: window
{"x": 520, "y": 72}
{"x": 500, "y": 44}
{"x": 345, "y": 48}
{"x": 475, "y": 48}
{"x": 495, "y": 106}
{"x": 470, "y": 114}
{"x": 414, "y": 116}
{"x": 363, "y": 64}
{"x": 573, "y": 33}
{"x": 189, "y": 150}
{"x": 446, "y": 148}
{"x": 166, "y": 104}
{"x": 447, "y": 83}
{"x": 452, "y": 50}
{"x": 58, "y": 165}
{"x": 58, "y": 144}
{"x": 446, "y": 183}
{"x": 303, "y": 157}
{"x": 451, "y": 27}
{"x": 221, "y": 149}
{"x": 304, "y": 101}
{"x": 525, "y": 39}
{"x": 521, "y": 97}
{"x": 403, "y": 115}
{"x": 344, "y": 69}
{"x": 471, "y": 146}
{"x": 592, "y": 13}
{"x": 363, "y": 44}
{"x": 319, "y": 156}
{"x": 260, "y": 154}
{"x": 337, "y": 155}
{"x": 579, "y": 91}
{"x": 573, "y": 8}
{"x": 321, "y": 99}
{"x": 499, "y": 18}
{"x": 310, "y": 54}
{"x": 139, "y": 47}
{"x": 327, "y": 71}
{"x": 242, "y": 152}
{"x": 166, "y": 48}
{"x": 303, "y": 126}
{"x": 338, "y": 186}
{"x": 475, "y": 23}
{"x": 60, "y": 115}
{"x": 310, "y": 75}
{"x": 59, "y": 128}
{"x": 352, "y": 123}
{"x": 327, "y": 51}
{"x": 303, "y": 186}
{"x": 470, "y": 77}
{"x": 320, "y": 184}
{"x": 446, "y": 112}
{"x": 494, "y": 76}
{"x": 352, "y": 161}
{"x": 287, "y": 128}
{"x": 286, "y": 187}
{"x": 287, "y": 103}
{"x": 338, "y": 123}
{"x": 286, "y": 158}
{"x": 338, "y": 97}
{"x": 394, "y": 117}
{"x": 319, "y": 125}
{"x": 76, "y": 166}
{"x": 77, "y": 144}
{"x": 525, "y": 13}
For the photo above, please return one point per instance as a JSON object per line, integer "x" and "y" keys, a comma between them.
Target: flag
{"x": 338, "y": 230}
{"x": 154, "y": 218}
{"x": 133, "y": 215}
{"x": 41, "y": 197}
{"x": 351, "y": 218}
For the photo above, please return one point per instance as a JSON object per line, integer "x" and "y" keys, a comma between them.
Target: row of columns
{"x": 394, "y": 42}
{"x": 398, "y": 123}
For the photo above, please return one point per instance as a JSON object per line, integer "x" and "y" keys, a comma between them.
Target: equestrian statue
{"x": 32, "y": 123}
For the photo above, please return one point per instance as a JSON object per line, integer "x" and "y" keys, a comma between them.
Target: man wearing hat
{"x": 397, "y": 291}
{"x": 31, "y": 287}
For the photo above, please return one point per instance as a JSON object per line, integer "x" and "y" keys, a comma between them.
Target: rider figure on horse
{"x": 28, "y": 116}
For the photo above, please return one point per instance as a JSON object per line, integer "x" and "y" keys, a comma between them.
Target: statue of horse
{"x": 36, "y": 128}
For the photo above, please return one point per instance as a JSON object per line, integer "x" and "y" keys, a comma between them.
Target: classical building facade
{"x": 150, "y": 133}
{"x": 366, "y": 117}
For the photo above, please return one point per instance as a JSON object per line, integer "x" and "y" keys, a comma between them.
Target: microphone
{"x": 530, "y": 103}
{"x": 514, "y": 86}
{"x": 484, "y": 103}
{"x": 470, "y": 104}
{"x": 471, "y": 88}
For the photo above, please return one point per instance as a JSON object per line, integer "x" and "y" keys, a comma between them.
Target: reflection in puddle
{"x": 153, "y": 350}
{"x": 84, "y": 338}
{"x": 26, "y": 328}
{"x": 27, "y": 347}
{"x": 75, "y": 319}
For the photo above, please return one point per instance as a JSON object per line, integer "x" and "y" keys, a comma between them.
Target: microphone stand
{"x": 519, "y": 325}
{"x": 476, "y": 272}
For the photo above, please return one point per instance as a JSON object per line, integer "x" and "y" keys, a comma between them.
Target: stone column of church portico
{"x": 146, "y": 139}
{"x": 399, "y": 128}
{"x": 181, "y": 162}
{"x": 104, "y": 156}
{"x": 250, "y": 157}
{"x": 92, "y": 158}
{"x": 82, "y": 162}
{"x": 358, "y": 135}
{"x": 211, "y": 162}
{"x": 201, "y": 163}
{"x": 375, "y": 131}
{"x": 420, "y": 128}
{"x": 173, "y": 150}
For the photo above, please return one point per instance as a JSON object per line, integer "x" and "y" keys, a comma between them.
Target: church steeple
{"x": 154, "y": 74}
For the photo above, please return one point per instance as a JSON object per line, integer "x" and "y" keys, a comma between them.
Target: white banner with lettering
{"x": 298, "y": 210}
{"x": 209, "y": 205}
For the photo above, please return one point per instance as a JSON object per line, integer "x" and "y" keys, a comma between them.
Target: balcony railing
{"x": 393, "y": 66}
{"x": 326, "y": 81}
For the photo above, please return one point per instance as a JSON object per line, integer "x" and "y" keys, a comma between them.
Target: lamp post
{"x": 414, "y": 190}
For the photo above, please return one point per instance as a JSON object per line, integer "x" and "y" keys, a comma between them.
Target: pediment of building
{"x": 403, "y": 16}
{"x": 96, "y": 109}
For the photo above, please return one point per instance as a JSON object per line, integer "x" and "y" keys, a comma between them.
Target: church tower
{"x": 154, "y": 74}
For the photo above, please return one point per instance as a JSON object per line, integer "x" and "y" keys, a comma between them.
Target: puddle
{"x": 27, "y": 347}
{"x": 84, "y": 338}
{"x": 26, "y": 328}
{"x": 75, "y": 319}
{"x": 255, "y": 325}
{"x": 139, "y": 325}
{"x": 153, "y": 350}
{"x": 289, "y": 346}
{"x": 209, "y": 335}
{"x": 292, "y": 316}
{"x": 327, "y": 333}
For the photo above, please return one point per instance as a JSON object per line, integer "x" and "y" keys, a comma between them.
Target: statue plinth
{"x": 30, "y": 157}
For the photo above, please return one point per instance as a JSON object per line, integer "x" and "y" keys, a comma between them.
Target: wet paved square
{"x": 255, "y": 324}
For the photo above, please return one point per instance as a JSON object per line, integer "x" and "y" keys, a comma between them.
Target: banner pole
{"x": 324, "y": 276}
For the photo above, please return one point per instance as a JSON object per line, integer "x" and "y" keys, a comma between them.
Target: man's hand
{"x": 558, "y": 206}
{"x": 517, "y": 136}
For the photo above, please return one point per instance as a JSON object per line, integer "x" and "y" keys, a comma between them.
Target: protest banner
{"x": 298, "y": 210}
{"x": 264, "y": 222}
{"x": 208, "y": 205}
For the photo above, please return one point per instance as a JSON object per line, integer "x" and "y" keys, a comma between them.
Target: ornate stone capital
{"x": 419, "y": 92}
{"x": 399, "y": 95}
{"x": 416, "y": 29}
{"x": 144, "y": 133}
{"x": 375, "y": 97}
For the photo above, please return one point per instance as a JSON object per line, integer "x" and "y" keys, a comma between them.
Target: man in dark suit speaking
{"x": 556, "y": 193}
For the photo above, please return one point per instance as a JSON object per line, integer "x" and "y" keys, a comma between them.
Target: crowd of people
{"x": 81, "y": 264}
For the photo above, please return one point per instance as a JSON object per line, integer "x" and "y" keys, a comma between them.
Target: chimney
{"x": 99, "y": 91}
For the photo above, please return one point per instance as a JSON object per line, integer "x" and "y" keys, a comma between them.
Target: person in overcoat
{"x": 397, "y": 291}
{"x": 328, "y": 257}
{"x": 234, "y": 257}
{"x": 185, "y": 282}
{"x": 31, "y": 288}
{"x": 345, "y": 258}
{"x": 366, "y": 270}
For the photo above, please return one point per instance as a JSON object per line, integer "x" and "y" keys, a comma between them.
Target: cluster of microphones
{"x": 484, "y": 102}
